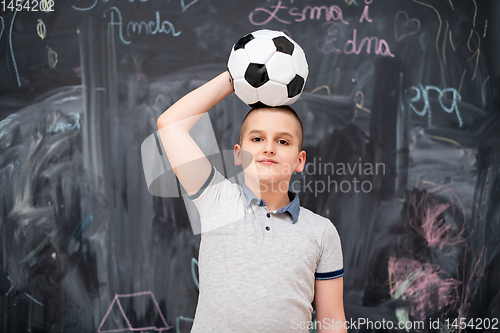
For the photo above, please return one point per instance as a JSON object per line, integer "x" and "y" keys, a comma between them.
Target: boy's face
{"x": 272, "y": 139}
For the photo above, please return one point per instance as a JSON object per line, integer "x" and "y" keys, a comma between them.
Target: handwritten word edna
{"x": 151, "y": 27}
{"x": 380, "y": 45}
{"x": 334, "y": 42}
{"x": 423, "y": 93}
{"x": 332, "y": 13}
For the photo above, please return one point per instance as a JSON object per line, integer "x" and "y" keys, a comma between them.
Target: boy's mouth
{"x": 267, "y": 161}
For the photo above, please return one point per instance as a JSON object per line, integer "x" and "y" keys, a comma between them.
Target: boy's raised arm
{"x": 190, "y": 165}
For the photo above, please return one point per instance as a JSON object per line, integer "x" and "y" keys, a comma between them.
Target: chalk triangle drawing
{"x": 117, "y": 320}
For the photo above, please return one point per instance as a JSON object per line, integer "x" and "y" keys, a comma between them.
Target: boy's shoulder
{"x": 315, "y": 220}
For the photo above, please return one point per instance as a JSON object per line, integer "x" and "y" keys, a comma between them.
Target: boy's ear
{"x": 237, "y": 154}
{"x": 302, "y": 161}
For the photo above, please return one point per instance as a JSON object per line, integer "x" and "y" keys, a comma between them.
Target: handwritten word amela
{"x": 150, "y": 28}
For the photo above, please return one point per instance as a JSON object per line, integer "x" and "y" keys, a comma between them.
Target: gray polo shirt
{"x": 257, "y": 267}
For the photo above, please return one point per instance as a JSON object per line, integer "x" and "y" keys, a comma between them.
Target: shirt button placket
{"x": 268, "y": 227}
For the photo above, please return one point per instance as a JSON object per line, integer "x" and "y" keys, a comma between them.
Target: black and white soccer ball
{"x": 268, "y": 68}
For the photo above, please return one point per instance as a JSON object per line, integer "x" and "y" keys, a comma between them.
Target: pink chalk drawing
{"x": 423, "y": 286}
{"x": 412, "y": 26}
{"x": 425, "y": 221}
{"x": 116, "y": 300}
{"x": 472, "y": 272}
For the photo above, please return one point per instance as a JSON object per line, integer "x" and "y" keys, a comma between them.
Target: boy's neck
{"x": 274, "y": 197}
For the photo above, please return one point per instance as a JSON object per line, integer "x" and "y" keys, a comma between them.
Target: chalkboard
{"x": 409, "y": 86}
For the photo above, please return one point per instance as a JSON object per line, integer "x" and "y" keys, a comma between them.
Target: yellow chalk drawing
{"x": 444, "y": 139}
{"x": 52, "y": 55}
{"x": 322, "y": 87}
{"x": 41, "y": 29}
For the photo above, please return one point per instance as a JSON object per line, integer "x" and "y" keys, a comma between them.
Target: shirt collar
{"x": 293, "y": 208}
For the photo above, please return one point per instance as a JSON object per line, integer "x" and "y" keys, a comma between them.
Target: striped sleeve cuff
{"x": 329, "y": 275}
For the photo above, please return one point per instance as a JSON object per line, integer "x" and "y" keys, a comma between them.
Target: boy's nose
{"x": 269, "y": 149}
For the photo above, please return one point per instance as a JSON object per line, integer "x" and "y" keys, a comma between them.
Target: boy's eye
{"x": 284, "y": 142}
{"x": 256, "y": 139}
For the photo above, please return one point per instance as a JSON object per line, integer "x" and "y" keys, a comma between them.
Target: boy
{"x": 263, "y": 258}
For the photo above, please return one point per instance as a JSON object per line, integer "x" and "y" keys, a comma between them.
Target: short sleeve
{"x": 330, "y": 264}
{"x": 217, "y": 201}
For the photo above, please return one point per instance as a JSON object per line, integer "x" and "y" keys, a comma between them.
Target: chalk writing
{"x": 119, "y": 23}
{"x": 364, "y": 16}
{"x": 380, "y": 45}
{"x": 165, "y": 27}
{"x": 332, "y": 13}
{"x": 406, "y": 28}
{"x": 359, "y": 105}
{"x": 361, "y": 102}
{"x": 159, "y": 27}
{"x": 41, "y": 29}
{"x": 53, "y": 57}
{"x": 333, "y": 42}
{"x": 423, "y": 93}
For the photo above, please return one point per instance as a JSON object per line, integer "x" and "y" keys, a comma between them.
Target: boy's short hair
{"x": 282, "y": 108}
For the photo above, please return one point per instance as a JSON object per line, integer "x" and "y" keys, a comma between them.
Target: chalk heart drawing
{"x": 405, "y": 28}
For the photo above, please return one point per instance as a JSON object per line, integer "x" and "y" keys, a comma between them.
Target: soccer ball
{"x": 268, "y": 69}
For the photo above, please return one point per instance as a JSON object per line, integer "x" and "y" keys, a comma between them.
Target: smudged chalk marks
{"x": 405, "y": 28}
